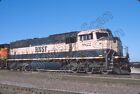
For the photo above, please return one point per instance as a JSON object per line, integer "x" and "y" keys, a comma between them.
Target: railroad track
{"x": 70, "y": 83}
{"x": 71, "y": 73}
{"x": 12, "y": 89}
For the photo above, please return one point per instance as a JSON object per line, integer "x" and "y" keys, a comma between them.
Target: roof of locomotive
{"x": 52, "y": 39}
{"x": 94, "y": 30}
{"x": 4, "y": 45}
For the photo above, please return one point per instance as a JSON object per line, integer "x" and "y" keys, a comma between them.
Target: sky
{"x": 23, "y": 19}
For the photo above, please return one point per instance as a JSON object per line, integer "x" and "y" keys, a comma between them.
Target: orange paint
{"x": 3, "y": 53}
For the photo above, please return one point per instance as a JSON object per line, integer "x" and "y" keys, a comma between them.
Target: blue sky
{"x": 22, "y": 19}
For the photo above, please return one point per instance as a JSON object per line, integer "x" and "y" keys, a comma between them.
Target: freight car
{"x": 93, "y": 51}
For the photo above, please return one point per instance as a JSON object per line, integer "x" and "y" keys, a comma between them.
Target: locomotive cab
{"x": 100, "y": 40}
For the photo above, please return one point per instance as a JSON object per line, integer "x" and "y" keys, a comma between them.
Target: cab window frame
{"x": 85, "y": 37}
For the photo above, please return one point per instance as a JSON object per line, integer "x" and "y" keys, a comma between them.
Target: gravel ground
{"x": 93, "y": 84}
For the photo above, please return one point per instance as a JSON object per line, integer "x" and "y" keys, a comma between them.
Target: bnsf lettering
{"x": 41, "y": 49}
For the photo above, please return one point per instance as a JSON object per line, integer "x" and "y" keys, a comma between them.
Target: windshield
{"x": 101, "y": 35}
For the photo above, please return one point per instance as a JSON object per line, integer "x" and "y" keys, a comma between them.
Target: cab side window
{"x": 86, "y": 37}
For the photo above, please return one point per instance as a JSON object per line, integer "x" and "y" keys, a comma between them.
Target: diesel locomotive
{"x": 89, "y": 51}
